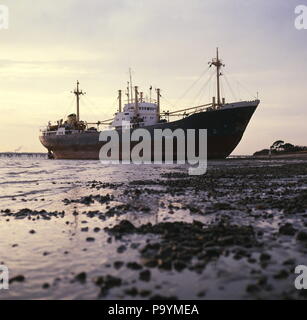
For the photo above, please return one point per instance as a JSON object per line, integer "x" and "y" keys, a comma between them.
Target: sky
{"x": 49, "y": 45}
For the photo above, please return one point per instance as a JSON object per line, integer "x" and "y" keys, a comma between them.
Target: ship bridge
{"x": 137, "y": 112}
{"x": 147, "y": 114}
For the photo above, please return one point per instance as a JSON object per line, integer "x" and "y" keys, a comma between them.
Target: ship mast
{"x": 119, "y": 101}
{"x": 136, "y": 106}
{"x": 158, "y": 104}
{"x": 128, "y": 92}
{"x": 131, "y": 86}
{"x": 78, "y": 93}
{"x": 218, "y": 64}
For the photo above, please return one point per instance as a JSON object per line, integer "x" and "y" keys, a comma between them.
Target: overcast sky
{"x": 167, "y": 43}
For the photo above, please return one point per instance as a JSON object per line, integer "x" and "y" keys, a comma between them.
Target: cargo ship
{"x": 225, "y": 122}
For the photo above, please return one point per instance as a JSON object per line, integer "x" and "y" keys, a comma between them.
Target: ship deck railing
{"x": 68, "y": 132}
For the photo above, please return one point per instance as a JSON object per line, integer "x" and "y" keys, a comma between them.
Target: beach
{"x": 83, "y": 230}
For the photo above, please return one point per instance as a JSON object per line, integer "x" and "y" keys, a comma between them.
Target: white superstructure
{"x": 146, "y": 114}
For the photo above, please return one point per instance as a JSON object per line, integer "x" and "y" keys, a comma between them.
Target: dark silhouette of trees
{"x": 277, "y": 145}
{"x": 280, "y": 147}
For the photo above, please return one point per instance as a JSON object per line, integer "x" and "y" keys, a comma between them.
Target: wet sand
{"x": 77, "y": 230}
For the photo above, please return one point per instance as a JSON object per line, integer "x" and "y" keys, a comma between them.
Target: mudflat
{"x": 80, "y": 230}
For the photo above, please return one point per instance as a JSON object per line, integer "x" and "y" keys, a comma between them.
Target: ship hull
{"x": 225, "y": 129}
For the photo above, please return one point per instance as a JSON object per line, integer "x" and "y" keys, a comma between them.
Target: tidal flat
{"x": 80, "y": 230}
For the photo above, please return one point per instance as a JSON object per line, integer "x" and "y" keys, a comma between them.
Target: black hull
{"x": 225, "y": 128}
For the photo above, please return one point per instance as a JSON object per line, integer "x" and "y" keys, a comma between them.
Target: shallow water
{"x": 58, "y": 250}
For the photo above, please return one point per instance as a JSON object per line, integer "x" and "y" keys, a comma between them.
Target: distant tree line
{"x": 280, "y": 147}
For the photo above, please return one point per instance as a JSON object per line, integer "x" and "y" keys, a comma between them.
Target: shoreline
{"x": 289, "y": 156}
